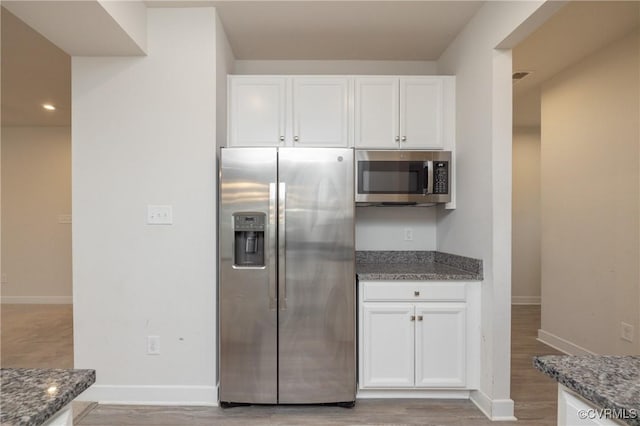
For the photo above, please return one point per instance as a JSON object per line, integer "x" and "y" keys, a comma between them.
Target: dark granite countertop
{"x": 611, "y": 382}
{"x": 31, "y": 396}
{"x": 417, "y": 266}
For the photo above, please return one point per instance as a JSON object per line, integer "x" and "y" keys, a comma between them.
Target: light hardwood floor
{"x": 41, "y": 336}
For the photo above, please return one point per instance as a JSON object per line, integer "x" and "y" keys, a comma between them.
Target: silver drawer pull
{"x": 416, "y": 293}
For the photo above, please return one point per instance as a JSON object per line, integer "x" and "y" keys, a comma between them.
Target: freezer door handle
{"x": 271, "y": 235}
{"x": 282, "y": 248}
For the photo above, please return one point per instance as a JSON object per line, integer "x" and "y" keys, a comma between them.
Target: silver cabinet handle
{"x": 416, "y": 293}
{"x": 404, "y": 139}
{"x": 413, "y": 318}
{"x": 397, "y": 138}
{"x": 281, "y": 138}
{"x": 296, "y": 138}
{"x": 282, "y": 248}
{"x": 419, "y": 317}
{"x": 271, "y": 235}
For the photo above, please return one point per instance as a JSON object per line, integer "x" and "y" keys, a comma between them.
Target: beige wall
{"x": 525, "y": 236}
{"x": 590, "y": 201}
{"x": 36, "y": 189}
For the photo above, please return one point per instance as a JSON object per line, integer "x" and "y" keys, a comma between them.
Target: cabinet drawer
{"x": 413, "y": 291}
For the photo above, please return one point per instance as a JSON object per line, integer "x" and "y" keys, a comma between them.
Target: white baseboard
{"x": 495, "y": 409}
{"x": 561, "y": 344}
{"x": 152, "y": 395}
{"x": 412, "y": 393}
{"x": 526, "y": 300}
{"x": 37, "y": 300}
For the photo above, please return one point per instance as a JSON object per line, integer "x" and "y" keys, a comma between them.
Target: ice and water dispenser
{"x": 248, "y": 230}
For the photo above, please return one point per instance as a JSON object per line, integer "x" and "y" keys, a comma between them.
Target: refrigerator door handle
{"x": 271, "y": 235}
{"x": 282, "y": 262}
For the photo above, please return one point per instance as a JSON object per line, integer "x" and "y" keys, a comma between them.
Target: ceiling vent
{"x": 519, "y": 75}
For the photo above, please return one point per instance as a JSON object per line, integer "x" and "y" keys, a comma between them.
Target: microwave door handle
{"x": 429, "y": 169}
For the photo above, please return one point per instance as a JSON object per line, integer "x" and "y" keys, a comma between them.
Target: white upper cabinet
{"x": 404, "y": 112}
{"x": 288, "y": 111}
{"x": 320, "y": 111}
{"x": 376, "y": 112}
{"x": 257, "y": 111}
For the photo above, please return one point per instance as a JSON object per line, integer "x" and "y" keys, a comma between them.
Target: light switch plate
{"x": 159, "y": 215}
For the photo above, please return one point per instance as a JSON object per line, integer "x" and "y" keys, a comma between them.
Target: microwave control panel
{"x": 440, "y": 177}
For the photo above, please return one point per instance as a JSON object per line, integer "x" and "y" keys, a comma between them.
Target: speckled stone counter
{"x": 30, "y": 396}
{"x": 611, "y": 382}
{"x": 416, "y": 265}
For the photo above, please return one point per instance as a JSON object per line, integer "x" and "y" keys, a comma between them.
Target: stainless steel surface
{"x": 273, "y": 246}
{"x": 303, "y": 352}
{"x": 282, "y": 245}
{"x": 429, "y": 177}
{"x": 399, "y": 155}
{"x": 317, "y": 329}
{"x": 247, "y": 323}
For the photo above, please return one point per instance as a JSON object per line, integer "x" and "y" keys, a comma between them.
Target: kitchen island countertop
{"x": 610, "y": 382}
{"x": 416, "y": 266}
{"x": 31, "y": 396}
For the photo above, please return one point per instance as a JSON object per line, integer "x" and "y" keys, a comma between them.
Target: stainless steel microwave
{"x": 403, "y": 177}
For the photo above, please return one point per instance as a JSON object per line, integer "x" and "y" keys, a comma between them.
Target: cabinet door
{"x": 376, "y": 112}
{"x": 257, "y": 111}
{"x": 320, "y": 111}
{"x": 421, "y": 112}
{"x": 388, "y": 345}
{"x": 440, "y": 344}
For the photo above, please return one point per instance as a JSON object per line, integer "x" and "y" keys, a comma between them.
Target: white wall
{"x": 591, "y": 201}
{"x": 335, "y": 67}
{"x": 480, "y": 226}
{"x": 525, "y": 237}
{"x": 225, "y": 65}
{"x": 144, "y": 133}
{"x": 383, "y": 228}
{"x": 36, "y": 189}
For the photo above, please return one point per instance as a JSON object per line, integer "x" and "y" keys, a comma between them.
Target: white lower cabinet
{"x": 573, "y": 410}
{"x": 417, "y": 339}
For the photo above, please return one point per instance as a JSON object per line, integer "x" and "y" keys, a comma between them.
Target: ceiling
{"x": 577, "y": 30}
{"x": 343, "y": 30}
{"x": 34, "y": 72}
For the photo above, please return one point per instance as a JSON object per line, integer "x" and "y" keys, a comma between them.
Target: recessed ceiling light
{"x": 48, "y": 107}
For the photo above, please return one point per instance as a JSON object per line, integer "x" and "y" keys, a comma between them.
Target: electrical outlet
{"x": 153, "y": 345}
{"x": 626, "y": 332}
{"x": 408, "y": 234}
{"x": 159, "y": 215}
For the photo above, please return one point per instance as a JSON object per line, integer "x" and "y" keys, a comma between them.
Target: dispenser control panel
{"x": 248, "y": 229}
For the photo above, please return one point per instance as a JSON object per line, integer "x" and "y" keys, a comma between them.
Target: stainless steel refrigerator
{"x": 287, "y": 276}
